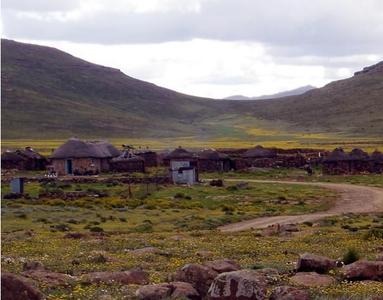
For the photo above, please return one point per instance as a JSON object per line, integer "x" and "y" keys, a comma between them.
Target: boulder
{"x": 278, "y": 229}
{"x": 241, "y": 285}
{"x": 33, "y": 265}
{"x": 312, "y": 279}
{"x": 124, "y": 277}
{"x": 311, "y": 262}
{"x": 49, "y": 278}
{"x": 223, "y": 265}
{"x": 172, "y": 290}
{"x": 75, "y": 235}
{"x": 199, "y": 276}
{"x": 289, "y": 293}
{"x": 271, "y": 275}
{"x": 363, "y": 270}
{"x": 15, "y": 287}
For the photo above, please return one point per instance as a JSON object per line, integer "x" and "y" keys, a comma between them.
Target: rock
{"x": 75, "y": 235}
{"x": 216, "y": 182}
{"x": 271, "y": 275}
{"x": 125, "y": 277}
{"x": 204, "y": 253}
{"x": 199, "y": 276}
{"x": 241, "y": 285}
{"x": 312, "y": 279}
{"x": 148, "y": 250}
{"x": 311, "y": 262}
{"x": 15, "y": 287}
{"x": 289, "y": 293}
{"x": 33, "y": 265}
{"x": 172, "y": 290}
{"x": 363, "y": 269}
{"x": 49, "y": 278}
{"x": 183, "y": 290}
{"x": 278, "y": 229}
{"x": 223, "y": 265}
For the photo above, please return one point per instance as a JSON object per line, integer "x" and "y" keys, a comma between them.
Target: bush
{"x": 61, "y": 227}
{"x": 96, "y": 229}
{"x": 122, "y": 219}
{"x": 374, "y": 233}
{"x": 144, "y": 227}
{"x": 179, "y": 195}
{"x": 352, "y": 255}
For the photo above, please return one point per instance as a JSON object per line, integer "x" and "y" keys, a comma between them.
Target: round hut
{"x": 336, "y": 163}
{"x": 210, "y": 160}
{"x": 258, "y": 157}
{"x": 128, "y": 162}
{"x": 376, "y": 162}
{"x": 78, "y": 157}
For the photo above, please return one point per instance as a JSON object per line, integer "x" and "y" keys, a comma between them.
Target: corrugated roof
{"x": 127, "y": 156}
{"x": 76, "y": 148}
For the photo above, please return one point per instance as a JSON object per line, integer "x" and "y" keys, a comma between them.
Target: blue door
{"x": 68, "y": 167}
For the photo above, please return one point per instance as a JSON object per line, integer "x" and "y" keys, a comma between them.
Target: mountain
{"x": 353, "y": 105}
{"x": 47, "y": 93}
{"x": 297, "y": 91}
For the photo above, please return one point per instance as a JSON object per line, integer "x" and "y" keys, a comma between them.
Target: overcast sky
{"x": 213, "y": 48}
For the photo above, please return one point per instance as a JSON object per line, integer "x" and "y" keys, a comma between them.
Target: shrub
{"x": 96, "y": 229}
{"x": 61, "y": 227}
{"x": 123, "y": 219}
{"x": 352, "y": 255}
{"x": 374, "y": 233}
{"x": 22, "y": 215}
{"x": 179, "y": 195}
{"x": 144, "y": 227}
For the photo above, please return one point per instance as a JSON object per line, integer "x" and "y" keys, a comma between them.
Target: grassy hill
{"x": 47, "y": 93}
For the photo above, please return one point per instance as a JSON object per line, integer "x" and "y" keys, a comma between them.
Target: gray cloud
{"x": 287, "y": 28}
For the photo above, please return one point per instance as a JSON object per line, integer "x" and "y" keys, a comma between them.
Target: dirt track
{"x": 353, "y": 199}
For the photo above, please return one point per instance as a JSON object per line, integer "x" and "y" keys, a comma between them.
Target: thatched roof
{"x": 180, "y": 153}
{"x": 127, "y": 156}
{"x": 259, "y": 152}
{"x": 358, "y": 154}
{"x": 337, "y": 155}
{"x": 211, "y": 154}
{"x": 377, "y": 156}
{"x": 76, "y": 148}
{"x": 12, "y": 156}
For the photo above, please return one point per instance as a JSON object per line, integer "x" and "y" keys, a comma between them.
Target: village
{"x": 85, "y": 158}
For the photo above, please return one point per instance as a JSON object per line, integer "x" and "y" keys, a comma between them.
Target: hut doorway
{"x": 68, "y": 167}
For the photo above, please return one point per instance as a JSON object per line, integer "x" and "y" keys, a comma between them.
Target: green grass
{"x": 299, "y": 175}
{"x": 166, "y": 207}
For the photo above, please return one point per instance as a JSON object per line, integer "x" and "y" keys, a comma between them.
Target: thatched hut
{"x": 210, "y": 160}
{"x": 23, "y": 159}
{"x": 78, "y": 157}
{"x": 376, "y": 162}
{"x": 359, "y": 161}
{"x": 256, "y": 157}
{"x": 150, "y": 157}
{"x": 183, "y": 166}
{"x": 128, "y": 162}
{"x": 336, "y": 163}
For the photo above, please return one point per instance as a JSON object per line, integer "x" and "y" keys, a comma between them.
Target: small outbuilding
{"x": 210, "y": 160}
{"x": 183, "y": 166}
{"x": 150, "y": 157}
{"x": 23, "y": 159}
{"x": 79, "y": 157}
{"x": 376, "y": 162}
{"x": 336, "y": 163}
{"x": 128, "y": 162}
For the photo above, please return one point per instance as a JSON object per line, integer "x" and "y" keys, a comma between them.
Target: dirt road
{"x": 353, "y": 199}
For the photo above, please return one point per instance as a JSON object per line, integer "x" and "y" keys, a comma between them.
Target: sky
{"x": 210, "y": 48}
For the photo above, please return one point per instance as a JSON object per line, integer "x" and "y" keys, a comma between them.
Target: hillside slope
{"x": 47, "y": 93}
{"x": 353, "y": 105}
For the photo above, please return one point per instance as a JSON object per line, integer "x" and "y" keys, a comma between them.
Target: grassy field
{"x": 266, "y": 138}
{"x": 299, "y": 175}
{"x": 181, "y": 222}
{"x": 164, "y": 208}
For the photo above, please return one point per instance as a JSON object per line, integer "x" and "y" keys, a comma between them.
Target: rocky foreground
{"x": 218, "y": 279}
